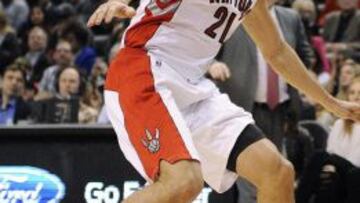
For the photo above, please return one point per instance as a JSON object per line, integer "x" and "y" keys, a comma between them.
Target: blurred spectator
{"x": 62, "y": 13}
{"x": 36, "y": 55}
{"x": 99, "y": 70}
{"x": 70, "y": 104}
{"x": 37, "y": 18}
{"x": 338, "y": 86}
{"x": 307, "y": 12}
{"x": 342, "y": 77}
{"x": 117, "y": 33}
{"x": 90, "y": 105}
{"x": 98, "y": 74}
{"x": 329, "y": 6}
{"x": 103, "y": 118}
{"x": 17, "y": 11}
{"x": 321, "y": 64}
{"x": 344, "y": 139}
{"x": 285, "y": 3}
{"x": 324, "y": 117}
{"x": 115, "y": 40}
{"x": 342, "y": 28}
{"x": 29, "y": 91}
{"x": 79, "y": 37}
{"x": 48, "y": 8}
{"x": 9, "y": 47}
{"x": 59, "y": 17}
{"x": 13, "y": 108}
{"x": 348, "y": 72}
{"x": 69, "y": 83}
{"x": 63, "y": 107}
{"x": 63, "y": 57}
{"x": 84, "y": 8}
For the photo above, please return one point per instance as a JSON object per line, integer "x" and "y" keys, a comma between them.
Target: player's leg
{"x": 151, "y": 130}
{"x": 229, "y": 145}
{"x": 262, "y": 164}
{"x": 178, "y": 183}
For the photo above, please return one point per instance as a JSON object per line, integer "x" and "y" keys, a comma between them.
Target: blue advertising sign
{"x": 24, "y": 184}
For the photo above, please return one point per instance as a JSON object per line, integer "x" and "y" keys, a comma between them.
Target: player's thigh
{"x": 262, "y": 161}
{"x": 216, "y": 124}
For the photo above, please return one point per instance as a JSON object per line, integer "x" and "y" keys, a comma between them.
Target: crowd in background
{"x": 60, "y": 64}
{"x": 42, "y": 37}
{"x": 53, "y": 67}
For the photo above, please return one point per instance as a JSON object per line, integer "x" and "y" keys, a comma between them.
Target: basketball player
{"x": 172, "y": 123}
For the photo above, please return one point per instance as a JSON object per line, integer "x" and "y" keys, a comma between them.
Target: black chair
{"x": 329, "y": 179}
{"x": 299, "y": 148}
{"x": 56, "y": 110}
{"x": 318, "y": 132}
{"x": 353, "y": 186}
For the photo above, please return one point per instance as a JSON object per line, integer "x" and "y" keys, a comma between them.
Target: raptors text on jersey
{"x": 185, "y": 34}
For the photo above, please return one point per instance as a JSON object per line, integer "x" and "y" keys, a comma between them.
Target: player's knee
{"x": 286, "y": 173}
{"x": 184, "y": 179}
{"x": 281, "y": 174}
{"x": 187, "y": 183}
{"x": 289, "y": 169}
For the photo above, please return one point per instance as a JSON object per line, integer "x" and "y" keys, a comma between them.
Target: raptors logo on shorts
{"x": 152, "y": 143}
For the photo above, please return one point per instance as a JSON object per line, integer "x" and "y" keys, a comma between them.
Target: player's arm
{"x": 109, "y": 10}
{"x": 260, "y": 26}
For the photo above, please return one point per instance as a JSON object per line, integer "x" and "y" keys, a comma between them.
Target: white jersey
{"x": 160, "y": 104}
{"x": 186, "y": 34}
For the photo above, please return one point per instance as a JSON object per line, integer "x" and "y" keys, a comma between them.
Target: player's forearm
{"x": 289, "y": 66}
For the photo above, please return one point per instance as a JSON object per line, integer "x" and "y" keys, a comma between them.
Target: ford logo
{"x": 25, "y": 184}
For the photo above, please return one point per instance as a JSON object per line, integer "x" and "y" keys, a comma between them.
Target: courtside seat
{"x": 317, "y": 132}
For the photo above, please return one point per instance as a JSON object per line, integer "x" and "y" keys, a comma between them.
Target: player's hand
{"x": 346, "y": 110}
{"x": 110, "y": 10}
{"x": 219, "y": 71}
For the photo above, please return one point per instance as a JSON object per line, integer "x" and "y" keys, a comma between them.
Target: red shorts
{"x": 149, "y": 125}
{"x": 158, "y": 114}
